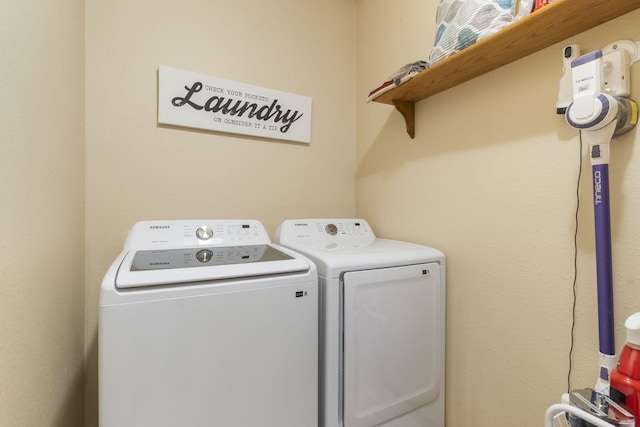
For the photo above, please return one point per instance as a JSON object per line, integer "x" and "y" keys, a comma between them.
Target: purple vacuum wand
{"x": 602, "y": 216}
{"x": 599, "y": 146}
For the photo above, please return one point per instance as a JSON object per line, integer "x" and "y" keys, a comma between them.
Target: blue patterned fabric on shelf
{"x": 461, "y": 23}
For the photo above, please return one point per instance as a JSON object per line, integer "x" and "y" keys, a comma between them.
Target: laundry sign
{"x": 202, "y": 102}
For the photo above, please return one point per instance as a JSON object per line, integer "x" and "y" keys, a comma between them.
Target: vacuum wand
{"x": 599, "y": 154}
{"x": 604, "y": 269}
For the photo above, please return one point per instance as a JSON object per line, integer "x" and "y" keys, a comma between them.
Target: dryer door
{"x": 393, "y": 336}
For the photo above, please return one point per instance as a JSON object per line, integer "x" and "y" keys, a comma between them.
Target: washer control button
{"x": 204, "y": 255}
{"x": 204, "y": 232}
{"x": 331, "y": 229}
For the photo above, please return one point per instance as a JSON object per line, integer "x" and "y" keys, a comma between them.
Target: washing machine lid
{"x": 339, "y": 245}
{"x": 185, "y": 265}
{"x": 178, "y": 252}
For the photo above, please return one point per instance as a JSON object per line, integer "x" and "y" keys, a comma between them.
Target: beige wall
{"x": 137, "y": 170}
{"x": 42, "y": 199}
{"x": 490, "y": 179}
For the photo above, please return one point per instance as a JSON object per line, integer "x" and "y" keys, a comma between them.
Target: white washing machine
{"x": 382, "y": 324}
{"x": 206, "y": 323}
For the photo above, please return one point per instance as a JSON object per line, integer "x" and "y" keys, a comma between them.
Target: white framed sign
{"x": 197, "y": 101}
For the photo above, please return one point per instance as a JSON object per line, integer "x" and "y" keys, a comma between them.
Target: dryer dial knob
{"x": 331, "y": 229}
{"x": 204, "y": 232}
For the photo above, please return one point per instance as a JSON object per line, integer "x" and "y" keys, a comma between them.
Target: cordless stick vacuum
{"x": 600, "y": 111}
{"x": 600, "y": 117}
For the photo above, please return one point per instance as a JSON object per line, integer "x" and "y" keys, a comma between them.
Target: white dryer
{"x": 382, "y": 324}
{"x": 206, "y": 323}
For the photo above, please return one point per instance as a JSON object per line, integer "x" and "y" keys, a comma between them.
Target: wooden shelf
{"x": 542, "y": 28}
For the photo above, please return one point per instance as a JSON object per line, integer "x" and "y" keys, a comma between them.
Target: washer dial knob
{"x": 204, "y": 255}
{"x": 204, "y": 232}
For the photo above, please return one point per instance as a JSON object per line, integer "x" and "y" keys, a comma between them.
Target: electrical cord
{"x": 575, "y": 267}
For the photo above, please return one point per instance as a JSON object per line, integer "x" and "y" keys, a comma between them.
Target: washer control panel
{"x": 168, "y": 259}
{"x": 325, "y": 231}
{"x": 193, "y": 233}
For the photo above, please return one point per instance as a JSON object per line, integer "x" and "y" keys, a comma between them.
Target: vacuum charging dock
{"x": 587, "y": 408}
{"x": 600, "y": 406}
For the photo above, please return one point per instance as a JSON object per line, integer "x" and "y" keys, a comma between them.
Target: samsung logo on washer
{"x": 203, "y": 102}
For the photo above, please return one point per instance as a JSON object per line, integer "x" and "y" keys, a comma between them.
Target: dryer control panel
{"x": 326, "y": 231}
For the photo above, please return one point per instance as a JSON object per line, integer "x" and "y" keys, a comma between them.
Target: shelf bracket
{"x": 407, "y": 109}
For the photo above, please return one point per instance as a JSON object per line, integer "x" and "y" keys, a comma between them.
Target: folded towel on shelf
{"x": 405, "y": 73}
